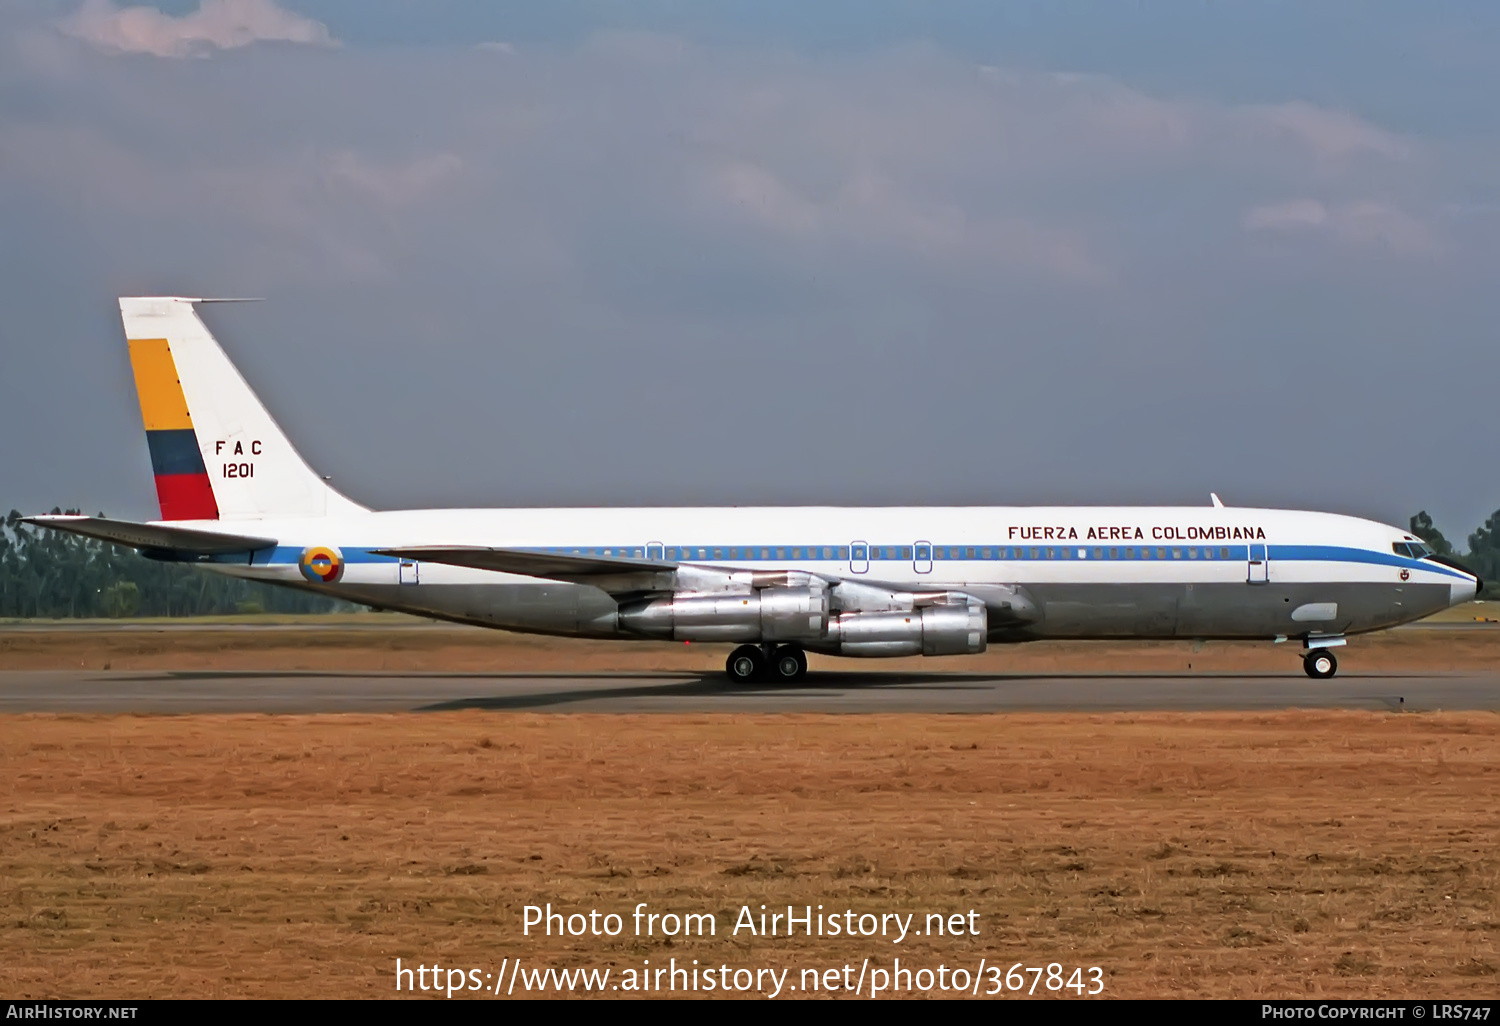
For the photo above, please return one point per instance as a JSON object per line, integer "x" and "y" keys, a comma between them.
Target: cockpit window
{"x": 1401, "y": 549}
{"x": 1415, "y": 550}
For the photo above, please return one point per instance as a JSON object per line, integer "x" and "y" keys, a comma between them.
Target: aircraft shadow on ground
{"x": 816, "y": 685}
{"x": 714, "y": 685}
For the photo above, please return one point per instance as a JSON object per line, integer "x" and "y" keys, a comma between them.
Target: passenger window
{"x": 1176, "y": 553}
{"x": 1223, "y": 553}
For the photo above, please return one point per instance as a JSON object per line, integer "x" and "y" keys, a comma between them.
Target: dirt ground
{"x": 345, "y": 646}
{"x": 1213, "y": 855}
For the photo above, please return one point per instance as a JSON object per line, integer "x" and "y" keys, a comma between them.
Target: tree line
{"x": 53, "y": 575}
{"x": 50, "y": 574}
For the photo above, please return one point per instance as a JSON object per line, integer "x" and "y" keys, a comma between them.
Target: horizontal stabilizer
{"x": 557, "y": 566}
{"x": 152, "y": 536}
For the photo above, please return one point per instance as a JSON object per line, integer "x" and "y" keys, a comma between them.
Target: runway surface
{"x": 310, "y": 692}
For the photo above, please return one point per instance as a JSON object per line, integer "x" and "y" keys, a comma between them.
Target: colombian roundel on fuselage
{"x": 321, "y": 564}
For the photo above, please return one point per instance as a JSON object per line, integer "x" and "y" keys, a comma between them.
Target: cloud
{"x": 215, "y": 25}
{"x": 1291, "y": 215}
{"x": 1364, "y": 223}
{"x": 872, "y": 211}
{"x": 1330, "y": 135}
{"x": 391, "y": 185}
{"x": 911, "y": 166}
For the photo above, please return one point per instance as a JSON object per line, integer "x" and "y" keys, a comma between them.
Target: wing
{"x": 156, "y": 537}
{"x": 557, "y": 566}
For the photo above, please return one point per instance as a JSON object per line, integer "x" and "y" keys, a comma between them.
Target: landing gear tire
{"x": 1320, "y": 665}
{"x": 745, "y": 664}
{"x": 789, "y": 663}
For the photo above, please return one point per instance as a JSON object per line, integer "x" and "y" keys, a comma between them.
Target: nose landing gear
{"x": 1320, "y": 664}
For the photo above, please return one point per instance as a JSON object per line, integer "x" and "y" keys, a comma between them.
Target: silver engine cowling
{"x": 771, "y": 614}
{"x": 957, "y": 629}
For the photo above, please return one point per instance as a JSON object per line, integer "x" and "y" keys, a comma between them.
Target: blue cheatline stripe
{"x": 781, "y": 554}
{"x": 1339, "y": 554}
{"x": 175, "y": 452}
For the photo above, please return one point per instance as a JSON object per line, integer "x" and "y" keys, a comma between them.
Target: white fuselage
{"x": 1092, "y": 571}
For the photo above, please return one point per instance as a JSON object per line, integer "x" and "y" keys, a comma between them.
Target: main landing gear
{"x": 1320, "y": 664}
{"x": 786, "y": 663}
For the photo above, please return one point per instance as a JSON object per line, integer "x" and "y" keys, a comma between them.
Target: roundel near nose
{"x": 321, "y": 564}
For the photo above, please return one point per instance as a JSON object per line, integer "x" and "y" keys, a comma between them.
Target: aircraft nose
{"x": 1464, "y": 591}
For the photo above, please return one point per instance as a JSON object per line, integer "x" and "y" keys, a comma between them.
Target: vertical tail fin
{"x": 215, "y": 451}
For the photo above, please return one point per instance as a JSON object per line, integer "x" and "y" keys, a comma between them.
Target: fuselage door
{"x": 859, "y": 557}
{"x": 409, "y": 570}
{"x": 1259, "y": 566}
{"x": 922, "y": 557}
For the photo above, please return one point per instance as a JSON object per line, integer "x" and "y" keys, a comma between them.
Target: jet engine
{"x": 956, "y": 629}
{"x": 770, "y": 614}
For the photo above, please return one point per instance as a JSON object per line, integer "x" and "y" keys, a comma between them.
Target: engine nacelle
{"x": 959, "y": 629}
{"x": 771, "y": 614}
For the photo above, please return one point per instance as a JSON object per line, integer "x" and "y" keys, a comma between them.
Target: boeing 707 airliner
{"x": 236, "y": 498}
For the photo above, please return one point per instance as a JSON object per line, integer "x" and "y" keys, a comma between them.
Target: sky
{"x": 669, "y": 253}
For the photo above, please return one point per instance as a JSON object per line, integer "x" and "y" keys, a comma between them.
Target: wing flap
{"x": 557, "y": 566}
{"x": 185, "y": 540}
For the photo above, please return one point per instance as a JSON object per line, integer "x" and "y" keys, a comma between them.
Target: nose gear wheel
{"x": 1320, "y": 664}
